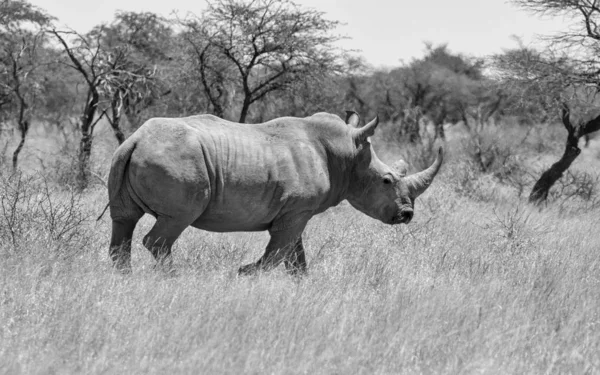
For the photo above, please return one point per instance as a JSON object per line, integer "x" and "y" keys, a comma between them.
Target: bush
{"x": 576, "y": 190}
{"x": 494, "y": 147}
{"x": 467, "y": 180}
{"x": 31, "y": 209}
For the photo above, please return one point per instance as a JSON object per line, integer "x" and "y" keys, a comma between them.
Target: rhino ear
{"x": 361, "y": 134}
{"x": 352, "y": 119}
{"x": 401, "y": 167}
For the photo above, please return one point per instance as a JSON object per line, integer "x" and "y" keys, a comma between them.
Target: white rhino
{"x": 222, "y": 176}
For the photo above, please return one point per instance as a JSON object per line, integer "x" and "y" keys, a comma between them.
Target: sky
{"x": 385, "y": 32}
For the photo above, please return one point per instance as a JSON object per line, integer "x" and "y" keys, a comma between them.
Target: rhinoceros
{"x": 275, "y": 176}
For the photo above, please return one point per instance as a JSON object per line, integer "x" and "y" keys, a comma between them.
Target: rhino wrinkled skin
{"x": 222, "y": 176}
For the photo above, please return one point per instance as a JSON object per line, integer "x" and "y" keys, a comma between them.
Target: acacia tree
{"x": 86, "y": 56}
{"x": 127, "y": 87}
{"x": 565, "y": 76}
{"x": 270, "y": 44}
{"x": 21, "y": 38}
{"x": 439, "y": 87}
{"x": 396, "y": 99}
{"x": 114, "y": 81}
{"x": 139, "y": 46}
{"x": 558, "y": 87}
{"x": 480, "y": 102}
{"x": 357, "y": 71}
{"x": 215, "y": 75}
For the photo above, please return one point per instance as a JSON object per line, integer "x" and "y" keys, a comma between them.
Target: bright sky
{"x": 385, "y": 31}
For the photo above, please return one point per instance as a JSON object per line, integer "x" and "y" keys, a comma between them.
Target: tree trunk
{"x": 540, "y": 190}
{"x": 244, "y": 111}
{"x": 218, "y": 110}
{"x": 214, "y": 98}
{"x": 22, "y": 120}
{"x": 85, "y": 144}
{"x": 118, "y": 132}
{"x": 438, "y": 125}
{"x": 410, "y": 126}
{"x": 85, "y": 152}
{"x": 115, "y": 121}
{"x": 410, "y": 129}
{"x": 23, "y": 129}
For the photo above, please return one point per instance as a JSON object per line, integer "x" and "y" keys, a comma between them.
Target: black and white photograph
{"x": 300, "y": 187}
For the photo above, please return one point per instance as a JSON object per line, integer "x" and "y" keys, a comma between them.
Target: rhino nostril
{"x": 407, "y": 216}
{"x": 402, "y": 217}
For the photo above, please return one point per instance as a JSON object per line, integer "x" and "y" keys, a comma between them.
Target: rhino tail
{"x": 117, "y": 171}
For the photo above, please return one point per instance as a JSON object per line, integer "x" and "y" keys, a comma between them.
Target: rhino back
{"x": 225, "y": 176}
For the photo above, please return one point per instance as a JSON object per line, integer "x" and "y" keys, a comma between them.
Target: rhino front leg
{"x": 295, "y": 264}
{"x": 281, "y": 246}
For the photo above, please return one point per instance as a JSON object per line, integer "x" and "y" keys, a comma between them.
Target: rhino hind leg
{"x": 282, "y": 246}
{"x": 161, "y": 238}
{"x": 295, "y": 264}
{"x": 120, "y": 243}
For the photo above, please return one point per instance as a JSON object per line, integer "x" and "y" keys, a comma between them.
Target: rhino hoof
{"x": 247, "y": 270}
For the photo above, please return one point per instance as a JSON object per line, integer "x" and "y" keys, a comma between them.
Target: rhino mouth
{"x": 403, "y": 217}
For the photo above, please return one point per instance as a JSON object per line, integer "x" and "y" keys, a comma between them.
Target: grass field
{"x": 479, "y": 282}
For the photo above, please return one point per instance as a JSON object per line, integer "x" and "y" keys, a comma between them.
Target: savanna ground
{"x": 479, "y": 282}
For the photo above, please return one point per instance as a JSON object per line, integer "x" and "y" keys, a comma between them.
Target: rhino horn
{"x": 361, "y": 134}
{"x": 419, "y": 182}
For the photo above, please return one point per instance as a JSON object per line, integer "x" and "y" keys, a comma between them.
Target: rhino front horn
{"x": 419, "y": 182}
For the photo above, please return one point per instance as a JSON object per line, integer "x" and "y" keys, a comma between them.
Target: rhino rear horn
{"x": 361, "y": 134}
{"x": 419, "y": 182}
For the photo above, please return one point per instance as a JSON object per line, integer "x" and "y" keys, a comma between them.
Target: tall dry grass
{"x": 479, "y": 282}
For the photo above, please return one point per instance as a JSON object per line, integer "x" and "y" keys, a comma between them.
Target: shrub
{"x": 31, "y": 209}
{"x": 468, "y": 181}
{"x": 576, "y": 190}
{"x": 492, "y": 148}
{"x": 514, "y": 230}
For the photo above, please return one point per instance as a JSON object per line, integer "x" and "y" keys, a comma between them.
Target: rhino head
{"x": 380, "y": 191}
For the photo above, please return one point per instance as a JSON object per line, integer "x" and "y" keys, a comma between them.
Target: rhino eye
{"x": 387, "y": 180}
